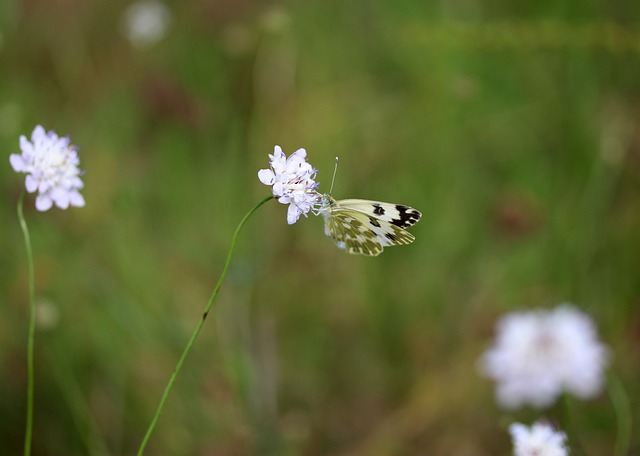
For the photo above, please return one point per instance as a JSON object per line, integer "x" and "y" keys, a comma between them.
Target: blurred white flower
{"x": 47, "y": 314}
{"x": 539, "y": 354}
{"x": 51, "y": 164}
{"x": 144, "y": 23}
{"x": 292, "y": 182}
{"x": 538, "y": 440}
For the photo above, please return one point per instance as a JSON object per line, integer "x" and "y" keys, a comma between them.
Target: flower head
{"x": 292, "y": 182}
{"x": 51, "y": 164}
{"x": 538, "y": 440}
{"x": 539, "y": 354}
{"x": 145, "y": 22}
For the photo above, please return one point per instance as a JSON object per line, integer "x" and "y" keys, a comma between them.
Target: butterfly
{"x": 364, "y": 227}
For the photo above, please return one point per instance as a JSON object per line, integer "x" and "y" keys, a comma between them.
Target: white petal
{"x": 26, "y": 146}
{"x": 293, "y": 214}
{"x": 278, "y": 189}
{"x": 43, "y": 203}
{"x": 30, "y": 183}
{"x": 76, "y": 199}
{"x": 266, "y": 176}
{"x": 60, "y": 197}
{"x": 76, "y": 182}
{"x": 278, "y": 159}
{"x": 17, "y": 162}
{"x": 517, "y": 431}
{"x": 38, "y": 132}
{"x": 300, "y": 153}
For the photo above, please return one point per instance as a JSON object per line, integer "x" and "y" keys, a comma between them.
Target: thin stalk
{"x": 194, "y": 336}
{"x": 32, "y": 328}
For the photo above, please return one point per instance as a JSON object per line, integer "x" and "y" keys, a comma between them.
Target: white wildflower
{"x": 144, "y": 23}
{"x": 539, "y": 354}
{"x": 292, "y": 182}
{"x": 51, "y": 164}
{"x": 538, "y": 440}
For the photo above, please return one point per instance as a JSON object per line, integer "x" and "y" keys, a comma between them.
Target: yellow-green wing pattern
{"x": 364, "y": 227}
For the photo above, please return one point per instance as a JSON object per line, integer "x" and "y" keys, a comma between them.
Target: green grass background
{"x": 513, "y": 126}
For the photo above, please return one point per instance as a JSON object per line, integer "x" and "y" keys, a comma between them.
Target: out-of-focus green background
{"x": 513, "y": 126}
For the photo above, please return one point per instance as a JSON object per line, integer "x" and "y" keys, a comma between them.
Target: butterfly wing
{"x": 350, "y": 232}
{"x": 365, "y": 227}
{"x": 397, "y": 214}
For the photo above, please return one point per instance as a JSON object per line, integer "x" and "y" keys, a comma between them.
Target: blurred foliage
{"x": 513, "y": 127}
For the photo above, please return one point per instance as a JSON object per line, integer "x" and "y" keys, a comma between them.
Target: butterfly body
{"x": 365, "y": 227}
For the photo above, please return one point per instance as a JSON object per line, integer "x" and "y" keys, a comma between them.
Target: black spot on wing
{"x": 374, "y": 222}
{"x": 407, "y": 216}
{"x": 378, "y": 210}
{"x": 392, "y": 237}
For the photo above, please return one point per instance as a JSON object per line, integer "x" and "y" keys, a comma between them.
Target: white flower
{"x": 144, "y": 23}
{"x": 539, "y": 354}
{"x": 538, "y": 440}
{"x": 51, "y": 164}
{"x": 292, "y": 182}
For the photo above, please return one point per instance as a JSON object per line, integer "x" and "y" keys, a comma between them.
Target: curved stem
{"x": 194, "y": 336}
{"x": 32, "y": 327}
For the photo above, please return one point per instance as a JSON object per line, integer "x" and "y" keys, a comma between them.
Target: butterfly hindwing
{"x": 350, "y": 232}
{"x": 365, "y": 227}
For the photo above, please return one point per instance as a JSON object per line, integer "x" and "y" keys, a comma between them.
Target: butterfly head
{"x": 326, "y": 201}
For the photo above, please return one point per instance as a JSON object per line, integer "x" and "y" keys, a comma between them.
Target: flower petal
{"x": 38, "y": 133}
{"x": 60, "y": 197}
{"x": 300, "y": 153}
{"x": 277, "y": 152}
{"x": 31, "y": 183}
{"x": 25, "y": 146}
{"x": 17, "y": 163}
{"x": 266, "y": 176}
{"x": 43, "y": 202}
{"x": 293, "y": 214}
{"x": 76, "y": 199}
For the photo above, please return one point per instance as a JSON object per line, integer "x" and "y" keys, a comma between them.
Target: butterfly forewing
{"x": 396, "y": 214}
{"x": 365, "y": 227}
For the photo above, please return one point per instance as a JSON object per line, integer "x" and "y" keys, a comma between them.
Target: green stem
{"x": 32, "y": 327}
{"x": 194, "y": 336}
{"x": 620, "y": 401}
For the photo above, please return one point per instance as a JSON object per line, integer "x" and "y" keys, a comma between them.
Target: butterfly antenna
{"x": 335, "y": 169}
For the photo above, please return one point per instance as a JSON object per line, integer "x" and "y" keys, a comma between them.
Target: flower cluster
{"x": 145, "y": 22}
{"x": 537, "y": 355}
{"x": 51, "y": 164}
{"x": 538, "y": 440}
{"x": 292, "y": 182}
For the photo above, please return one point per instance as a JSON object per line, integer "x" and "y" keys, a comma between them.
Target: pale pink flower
{"x": 538, "y": 440}
{"x": 539, "y": 354}
{"x": 51, "y": 164}
{"x": 292, "y": 181}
